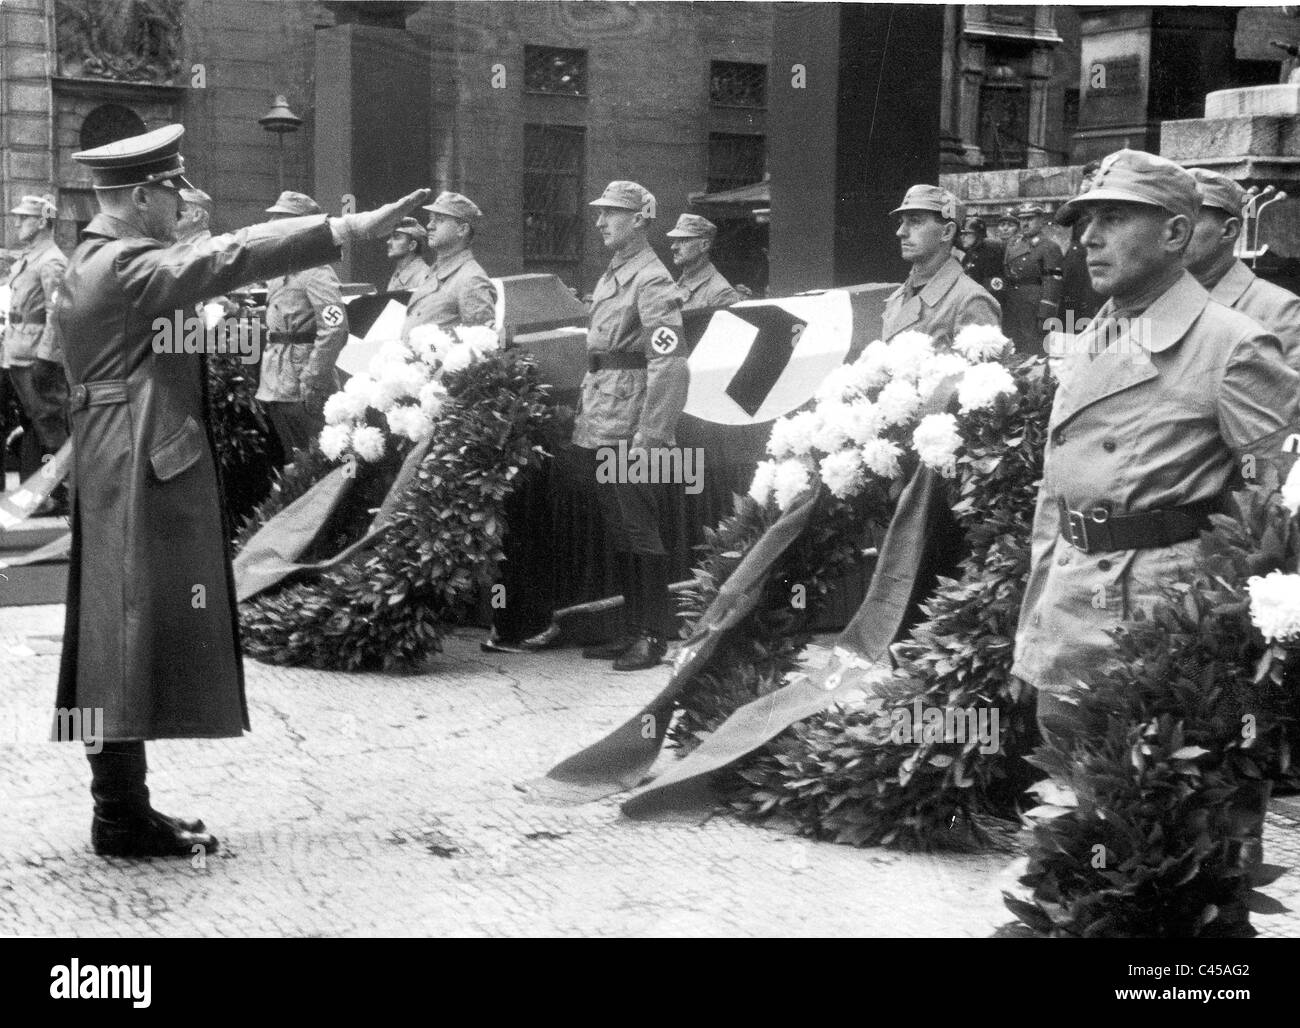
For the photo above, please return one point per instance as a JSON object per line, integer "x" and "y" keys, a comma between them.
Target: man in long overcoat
{"x": 1165, "y": 395}
{"x": 151, "y": 644}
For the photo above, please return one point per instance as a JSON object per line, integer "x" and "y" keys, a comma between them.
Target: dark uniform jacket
{"x": 1277, "y": 309}
{"x": 704, "y": 288}
{"x": 151, "y": 634}
{"x": 33, "y": 283}
{"x": 945, "y": 304}
{"x": 307, "y": 328}
{"x": 1033, "y": 291}
{"x": 983, "y": 263}
{"x": 635, "y": 310}
{"x": 1162, "y": 418}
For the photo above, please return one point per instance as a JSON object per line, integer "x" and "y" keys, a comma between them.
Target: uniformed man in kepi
{"x": 306, "y": 329}
{"x": 701, "y": 286}
{"x": 633, "y": 394}
{"x": 938, "y": 298}
{"x": 456, "y": 290}
{"x": 33, "y": 354}
{"x": 982, "y": 258}
{"x": 1159, "y": 401}
{"x": 195, "y": 223}
{"x": 406, "y": 251}
{"x": 151, "y": 641}
{"x": 1210, "y": 258}
{"x": 1033, "y": 278}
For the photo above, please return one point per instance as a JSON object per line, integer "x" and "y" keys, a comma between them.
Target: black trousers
{"x": 294, "y": 424}
{"x": 42, "y": 389}
{"x": 12, "y": 415}
{"x": 635, "y": 513}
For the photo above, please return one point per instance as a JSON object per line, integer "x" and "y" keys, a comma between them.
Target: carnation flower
{"x": 458, "y": 358}
{"x": 1275, "y": 605}
{"x": 980, "y": 342}
{"x": 368, "y": 442}
{"x": 793, "y": 436}
{"x": 363, "y": 388}
{"x": 909, "y": 352}
{"x": 479, "y": 338}
{"x": 429, "y": 342}
{"x": 873, "y": 366}
{"x": 864, "y": 422}
{"x": 842, "y": 473}
{"x": 764, "y": 478}
{"x": 881, "y": 457}
{"x": 334, "y": 440}
{"x": 938, "y": 370}
{"x": 1291, "y": 489}
{"x": 898, "y": 402}
{"x": 399, "y": 382}
{"x": 343, "y": 408}
{"x": 834, "y": 421}
{"x": 982, "y": 384}
{"x": 409, "y": 421}
{"x": 936, "y": 440}
{"x": 790, "y": 482}
{"x": 432, "y": 396}
{"x": 838, "y": 383}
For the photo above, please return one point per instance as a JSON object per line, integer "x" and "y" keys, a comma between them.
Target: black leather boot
{"x": 631, "y": 619}
{"x": 651, "y": 643}
{"x": 125, "y": 825}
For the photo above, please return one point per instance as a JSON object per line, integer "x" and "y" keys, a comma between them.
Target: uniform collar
{"x": 623, "y": 268}
{"x": 109, "y": 227}
{"x": 940, "y": 282}
{"x": 443, "y": 269}
{"x": 1170, "y": 315}
{"x": 693, "y": 278}
{"x": 1228, "y": 289}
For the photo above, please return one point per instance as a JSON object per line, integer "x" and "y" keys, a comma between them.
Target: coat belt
{"x": 32, "y": 319}
{"x": 290, "y": 337}
{"x": 1096, "y": 530}
{"x": 621, "y": 361}
{"x": 95, "y": 394}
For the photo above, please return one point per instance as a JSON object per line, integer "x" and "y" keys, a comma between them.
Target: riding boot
{"x": 654, "y": 613}
{"x": 125, "y": 825}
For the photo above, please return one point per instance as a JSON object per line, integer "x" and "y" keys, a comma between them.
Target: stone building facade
{"x": 528, "y": 108}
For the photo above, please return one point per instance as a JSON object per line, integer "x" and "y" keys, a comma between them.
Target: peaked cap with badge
{"x": 153, "y": 158}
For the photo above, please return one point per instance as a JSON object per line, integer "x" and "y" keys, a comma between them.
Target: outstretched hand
{"x": 379, "y": 223}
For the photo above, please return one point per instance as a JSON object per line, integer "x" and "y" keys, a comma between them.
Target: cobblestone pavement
{"x": 366, "y": 804}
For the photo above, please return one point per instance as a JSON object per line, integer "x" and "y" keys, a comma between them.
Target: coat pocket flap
{"x": 179, "y": 452}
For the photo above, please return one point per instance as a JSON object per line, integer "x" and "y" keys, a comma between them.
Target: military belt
{"x": 97, "y": 394}
{"x": 615, "y": 361}
{"x": 31, "y": 319}
{"x": 1096, "y": 530}
{"x": 291, "y": 337}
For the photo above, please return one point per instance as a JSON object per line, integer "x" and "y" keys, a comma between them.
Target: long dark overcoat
{"x": 151, "y": 635}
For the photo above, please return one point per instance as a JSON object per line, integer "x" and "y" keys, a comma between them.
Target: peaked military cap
{"x": 1030, "y": 209}
{"x": 36, "y": 206}
{"x": 1134, "y": 176}
{"x": 975, "y": 225}
{"x": 692, "y": 226}
{"x": 454, "y": 205}
{"x": 153, "y": 157}
{"x": 627, "y": 196}
{"x": 1008, "y": 218}
{"x": 290, "y": 202}
{"x": 1219, "y": 191}
{"x": 932, "y": 198}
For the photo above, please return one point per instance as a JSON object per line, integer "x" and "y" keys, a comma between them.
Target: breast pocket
{"x": 178, "y": 452}
{"x": 612, "y": 402}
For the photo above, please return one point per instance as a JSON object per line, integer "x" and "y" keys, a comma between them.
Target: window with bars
{"x": 736, "y": 84}
{"x": 555, "y": 70}
{"x": 554, "y": 159}
{"x": 735, "y": 160}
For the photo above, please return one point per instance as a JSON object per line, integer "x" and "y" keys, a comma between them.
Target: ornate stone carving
{"x": 123, "y": 40}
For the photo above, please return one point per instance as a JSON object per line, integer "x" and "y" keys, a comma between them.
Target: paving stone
{"x": 366, "y": 804}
